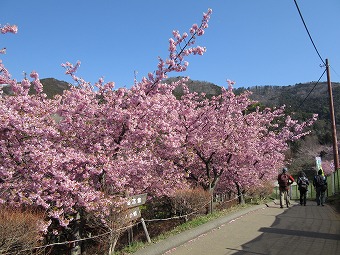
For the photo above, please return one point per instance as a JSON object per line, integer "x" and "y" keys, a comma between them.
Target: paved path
{"x": 263, "y": 230}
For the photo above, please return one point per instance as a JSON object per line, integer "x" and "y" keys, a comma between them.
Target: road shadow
{"x": 297, "y": 230}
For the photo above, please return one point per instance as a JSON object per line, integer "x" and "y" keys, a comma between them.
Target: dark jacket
{"x": 319, "y": 180}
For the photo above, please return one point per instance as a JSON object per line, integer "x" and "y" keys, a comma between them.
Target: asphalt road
{"x": 260, "y": 230}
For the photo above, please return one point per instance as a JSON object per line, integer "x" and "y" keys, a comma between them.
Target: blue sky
{"x": 260, "y": 42}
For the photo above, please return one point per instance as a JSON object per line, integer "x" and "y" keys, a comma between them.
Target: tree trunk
{"x": 211, "y": 205}
{"x": 240, "y": 195}
{"x": 76, "y": 248}
{"x": 113, "y": 242}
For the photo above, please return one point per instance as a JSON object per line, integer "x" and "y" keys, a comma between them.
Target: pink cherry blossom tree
{"x": 82, "y": 151}
{"x": 226, "y": 147}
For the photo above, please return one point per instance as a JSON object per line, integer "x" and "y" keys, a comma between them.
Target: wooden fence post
{"x": 145, "y": 230}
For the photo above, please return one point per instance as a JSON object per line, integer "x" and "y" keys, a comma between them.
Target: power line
{"x": 310, "y": 37}
{"x": 334, "y": 71}
{"x": 312, "y": 88}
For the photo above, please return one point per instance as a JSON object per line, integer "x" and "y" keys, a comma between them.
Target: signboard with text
{"x": 133, "y": 213}
{"x": 133, "y": 203}
{"x": 136, "y": 200}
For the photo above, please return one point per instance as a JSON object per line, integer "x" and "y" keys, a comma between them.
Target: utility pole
{"x": 331, "y": 108}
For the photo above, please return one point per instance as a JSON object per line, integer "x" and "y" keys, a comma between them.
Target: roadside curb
{"x": 165, "y": 245}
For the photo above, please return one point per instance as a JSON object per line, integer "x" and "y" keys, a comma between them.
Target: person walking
{"x": 284, "y": 179}
{"x": 303, "y": 184}
{"x": 320, "y": 185}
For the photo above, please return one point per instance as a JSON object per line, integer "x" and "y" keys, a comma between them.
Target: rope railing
{"x": 112, "y": 231}
{"x": 71, "y": 241}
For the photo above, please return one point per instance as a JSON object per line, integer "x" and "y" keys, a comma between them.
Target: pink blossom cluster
{"x": 8, "y": 29}
{"x": 328, "y": 167}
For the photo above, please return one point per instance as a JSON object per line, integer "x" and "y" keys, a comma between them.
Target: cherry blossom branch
{"x": 4, "y": 29}
{"x": 175, "y": 59}
{"x": 8, "y": 29}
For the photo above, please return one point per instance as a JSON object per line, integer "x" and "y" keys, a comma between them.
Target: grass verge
{"x": 200, "y": 220}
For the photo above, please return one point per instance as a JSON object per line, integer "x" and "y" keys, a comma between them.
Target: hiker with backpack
{"x": 320, "y": 184}
{"x": 303, "y": 184}
{"x": 284, "y": 179}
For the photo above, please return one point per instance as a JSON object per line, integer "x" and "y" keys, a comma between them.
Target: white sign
{"x": 133, "y": 213}
{"x": 318, "y": 163}
{"x": 136, "y": 200}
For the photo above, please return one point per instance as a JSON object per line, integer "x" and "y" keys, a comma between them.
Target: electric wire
{"x": 310, "y": 37}
{"x": 312, "y": 88}
{"x": 334, "y": 71}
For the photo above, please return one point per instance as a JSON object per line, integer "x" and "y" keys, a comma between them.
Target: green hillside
{"x": 51, "y": 87}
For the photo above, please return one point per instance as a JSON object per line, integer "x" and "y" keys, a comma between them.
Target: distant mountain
{"x": 208, "y": 88}
{"x": 306, "y": 97}
{"x": 51, "y": 87}
{"x": 301, "y": 97}
{"x": 54, "y": 87}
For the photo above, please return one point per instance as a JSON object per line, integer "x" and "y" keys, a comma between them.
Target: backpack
{"x": 321, "y": 182}
{"x": 283, "y": 180}
{"x": 303, "y": 184}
